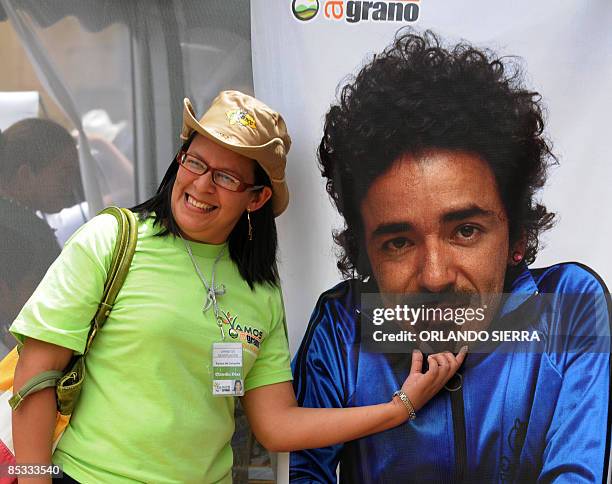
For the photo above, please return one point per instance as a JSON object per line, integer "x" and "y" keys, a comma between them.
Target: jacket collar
{"x": 519, "y": 290}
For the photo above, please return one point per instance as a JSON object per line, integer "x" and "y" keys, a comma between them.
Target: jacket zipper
{"x": 458, "y": 413}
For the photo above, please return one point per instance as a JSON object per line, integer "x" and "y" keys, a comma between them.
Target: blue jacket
{"x": 520, "y": 416}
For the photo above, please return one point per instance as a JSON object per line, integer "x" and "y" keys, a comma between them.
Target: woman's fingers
{"x": 417, "y": 362}
{"x": 446, "y": 365}
{"x": 453, "y": 366}
{"x": 461, "y": 355}
{"x": 421, "y": 387}
{"x": 434, "y": 369}
{"x": 452, "y": 361}
{"x": 444, "y": 368}
{"x": 442, "y": 361}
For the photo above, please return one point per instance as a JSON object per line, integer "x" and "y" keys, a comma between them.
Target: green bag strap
{"x": 125, "y": 245}
{"x": 127, "y": 236}
{"x": 36, "y": 383}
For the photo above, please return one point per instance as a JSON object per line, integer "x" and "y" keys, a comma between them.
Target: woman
{"x": 200, "y": 308}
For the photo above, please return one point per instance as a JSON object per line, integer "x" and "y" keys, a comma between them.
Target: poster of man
{"x": 398, "y": 105}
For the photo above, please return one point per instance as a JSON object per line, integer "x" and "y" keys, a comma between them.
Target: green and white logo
{"x": 305, "y": 9}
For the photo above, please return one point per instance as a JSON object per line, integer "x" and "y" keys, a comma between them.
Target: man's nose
{"x": 437, "y": 272}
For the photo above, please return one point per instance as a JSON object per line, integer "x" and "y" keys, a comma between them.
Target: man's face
{"x": 435, "y": 224}
{"x": 53, "y": 186}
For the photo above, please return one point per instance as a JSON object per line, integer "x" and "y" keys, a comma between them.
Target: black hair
{"x": 35, "y": 142}
{"x": 255, "y": 259}
{"x": 417, "y": 95}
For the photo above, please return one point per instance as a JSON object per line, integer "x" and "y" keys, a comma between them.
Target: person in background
{"x": 38, "y": 174}
{"x": 27, "y": 249}
{"x": 39, "y": 166}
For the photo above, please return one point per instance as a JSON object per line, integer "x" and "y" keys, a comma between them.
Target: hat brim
{"x": 260, "y": 153}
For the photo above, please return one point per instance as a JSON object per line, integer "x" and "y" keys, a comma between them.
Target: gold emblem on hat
{"x": 240, "y": 116}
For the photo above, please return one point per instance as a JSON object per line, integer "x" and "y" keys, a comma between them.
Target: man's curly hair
{"x": 418, "y": 95}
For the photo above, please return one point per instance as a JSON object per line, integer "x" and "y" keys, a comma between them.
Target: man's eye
{"x": 468, "y": 231}
{"x": 396, "y": 244}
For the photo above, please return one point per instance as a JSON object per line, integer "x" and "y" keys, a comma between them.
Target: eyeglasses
{"x": 220, "y": 178}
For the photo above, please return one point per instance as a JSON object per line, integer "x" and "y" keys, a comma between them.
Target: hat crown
{"x": 241, "y": 118}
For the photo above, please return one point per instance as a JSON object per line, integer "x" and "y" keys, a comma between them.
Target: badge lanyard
{"x": 212, "y": 291}
{"x": 226, "y": 357}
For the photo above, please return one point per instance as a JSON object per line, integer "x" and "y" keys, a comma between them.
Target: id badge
{"x": 228, "y": 380}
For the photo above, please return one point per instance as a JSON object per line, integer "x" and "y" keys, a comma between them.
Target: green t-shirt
{"x": 146, "y": 412}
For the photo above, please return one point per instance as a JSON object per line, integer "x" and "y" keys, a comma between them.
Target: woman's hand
{"x": 421, "y": 387}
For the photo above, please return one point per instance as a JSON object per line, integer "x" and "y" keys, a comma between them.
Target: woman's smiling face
{"x": 205, "y": 212}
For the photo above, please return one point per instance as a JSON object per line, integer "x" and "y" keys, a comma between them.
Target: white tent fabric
{"x": 56, "y": 86}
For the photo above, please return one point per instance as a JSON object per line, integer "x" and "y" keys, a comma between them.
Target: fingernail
{"x": 464, "y": 349}
{"x": 416, "y": 351}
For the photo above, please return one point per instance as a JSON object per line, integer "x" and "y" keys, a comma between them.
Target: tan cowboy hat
{"x": 248, "y": 127}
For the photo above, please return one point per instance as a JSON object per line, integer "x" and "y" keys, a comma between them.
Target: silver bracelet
{"x": 407, "y": 403}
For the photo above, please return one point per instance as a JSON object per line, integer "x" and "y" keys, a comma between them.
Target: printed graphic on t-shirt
{"x": 248, "y": 334}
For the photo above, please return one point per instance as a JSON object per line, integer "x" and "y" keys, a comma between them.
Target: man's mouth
{"x": 198, "y": 204}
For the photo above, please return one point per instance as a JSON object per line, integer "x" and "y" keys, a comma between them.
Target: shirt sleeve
{"x": 62, "y": 306}
{"x": 577, "y": 441}
{"x": 320, "y": 381}
{"x": 273, "y": 363}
